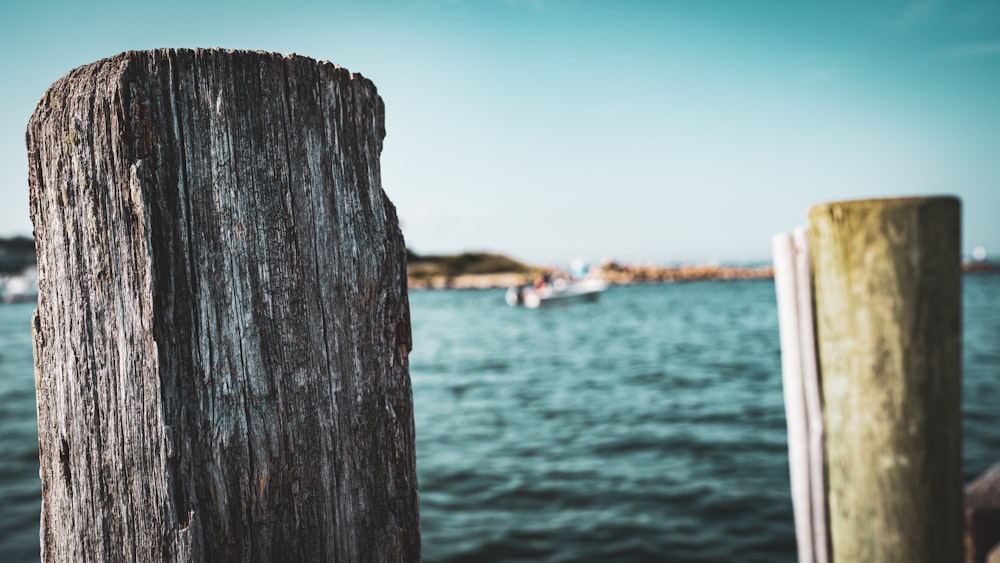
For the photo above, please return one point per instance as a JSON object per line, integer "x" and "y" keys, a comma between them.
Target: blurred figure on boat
{"x": 544, "y": 279}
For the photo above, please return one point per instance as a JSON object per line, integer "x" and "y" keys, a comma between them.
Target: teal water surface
{"x": 648, "y": 426}
{"x": 20, "y": 490}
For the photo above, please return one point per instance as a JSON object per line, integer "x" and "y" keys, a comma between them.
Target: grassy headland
{"x": 468, "y": 269}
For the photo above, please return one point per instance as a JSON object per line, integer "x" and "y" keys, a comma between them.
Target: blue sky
{"x": 645, "y": 131}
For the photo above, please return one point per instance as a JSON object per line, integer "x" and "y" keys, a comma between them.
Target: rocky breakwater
{"x": 652, "y": 273}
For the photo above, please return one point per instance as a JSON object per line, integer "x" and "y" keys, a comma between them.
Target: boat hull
{"x": 556, "y": 294}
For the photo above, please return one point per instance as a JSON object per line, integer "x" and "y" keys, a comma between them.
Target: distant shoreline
{"x": 483, "y": 270}
{"x": 668, "y": 275}
{"x": 437, "y": 272}
{"x": 614, "y": 273}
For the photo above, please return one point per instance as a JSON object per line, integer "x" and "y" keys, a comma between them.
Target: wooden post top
{"x": 885, "y": 202}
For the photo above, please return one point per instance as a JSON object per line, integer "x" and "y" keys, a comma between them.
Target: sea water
{"x": 648, "y": 426}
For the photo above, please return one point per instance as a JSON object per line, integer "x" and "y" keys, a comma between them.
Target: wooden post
{"x": 222, "y": 331}
{"x": 803, "y": 402}
{"x": 888, "y": 309}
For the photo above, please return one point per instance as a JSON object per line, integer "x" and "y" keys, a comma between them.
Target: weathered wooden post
{"x": 887, "y": 279}
{"x": 222, "y": 331}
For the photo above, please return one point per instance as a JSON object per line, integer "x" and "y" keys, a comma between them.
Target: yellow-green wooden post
{"x": 887, "y": 275}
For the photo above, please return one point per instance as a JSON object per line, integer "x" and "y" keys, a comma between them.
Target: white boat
{"x": 557, "y": 292}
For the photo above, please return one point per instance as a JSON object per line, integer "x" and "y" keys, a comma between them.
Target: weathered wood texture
{"x": 223, "y": 327}
{"x": 888, "y": 312}
{"x": 982, "y": 517}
